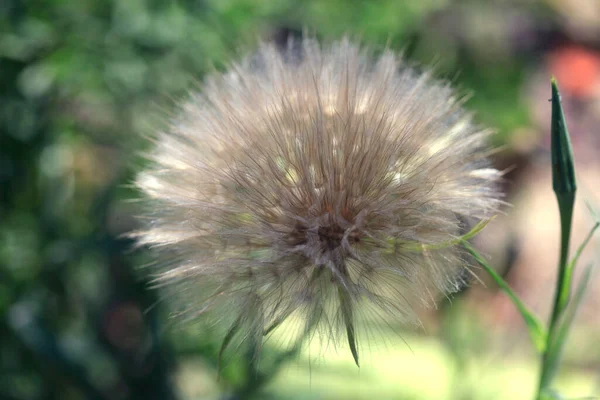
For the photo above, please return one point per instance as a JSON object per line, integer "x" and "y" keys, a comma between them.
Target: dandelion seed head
{"x": 317, "y": 181}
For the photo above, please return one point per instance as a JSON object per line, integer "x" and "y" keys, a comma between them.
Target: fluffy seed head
{"x": 316, "y": 181}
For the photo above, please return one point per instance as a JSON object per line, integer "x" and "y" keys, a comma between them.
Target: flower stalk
{"x": 565, "y": 188}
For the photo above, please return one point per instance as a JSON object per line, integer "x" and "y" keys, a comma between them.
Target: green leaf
{"x": 535, "y": 328}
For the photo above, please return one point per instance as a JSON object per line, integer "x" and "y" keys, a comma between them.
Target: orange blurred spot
{"x": 576, "y": 68}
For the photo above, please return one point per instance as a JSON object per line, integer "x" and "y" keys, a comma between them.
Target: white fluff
{"x": 303, "y": 181}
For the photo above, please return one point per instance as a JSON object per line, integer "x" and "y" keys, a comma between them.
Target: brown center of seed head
{"x": 322, "y": 240}
{"x": 331, "y": 236}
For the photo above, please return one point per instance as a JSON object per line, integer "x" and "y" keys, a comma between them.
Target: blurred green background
{"x": 81, "y": 82}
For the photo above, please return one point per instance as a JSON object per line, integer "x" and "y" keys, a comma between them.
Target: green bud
{"x": 563, "y": 171}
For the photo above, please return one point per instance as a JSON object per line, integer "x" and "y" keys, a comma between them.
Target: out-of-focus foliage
{"x": 81, "y": 82}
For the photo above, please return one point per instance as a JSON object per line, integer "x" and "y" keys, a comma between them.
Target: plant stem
{"x": 565, "y": 188}
{"x": 563, "y": 283}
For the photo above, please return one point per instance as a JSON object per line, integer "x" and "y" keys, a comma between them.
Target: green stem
{"x": 563, "y": 286}
{"x": 565, "y": 188}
